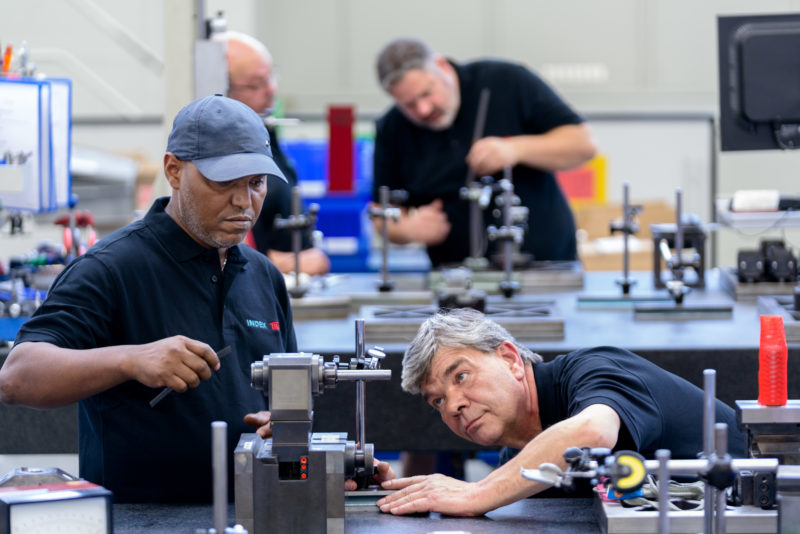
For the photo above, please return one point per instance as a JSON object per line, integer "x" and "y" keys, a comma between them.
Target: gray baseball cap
{"x": 224, "y": 139}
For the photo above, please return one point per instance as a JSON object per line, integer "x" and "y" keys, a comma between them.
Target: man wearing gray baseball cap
{"x": 151, "y": 305}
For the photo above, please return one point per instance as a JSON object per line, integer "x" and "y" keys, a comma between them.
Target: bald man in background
{"x": 252, "y": 81}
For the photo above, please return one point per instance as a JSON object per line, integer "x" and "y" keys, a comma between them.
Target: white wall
{"x": 602, "y": 56}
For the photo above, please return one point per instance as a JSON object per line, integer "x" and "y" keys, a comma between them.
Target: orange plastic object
{"x": 772, "y": 357}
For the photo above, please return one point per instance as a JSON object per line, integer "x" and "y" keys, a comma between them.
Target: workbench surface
{"x": 544, "y": 516}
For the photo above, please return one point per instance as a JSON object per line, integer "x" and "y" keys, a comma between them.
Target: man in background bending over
{"x": 424, "y": 144}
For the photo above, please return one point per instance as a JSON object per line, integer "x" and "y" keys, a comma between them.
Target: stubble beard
{"x": 188, "y": 213}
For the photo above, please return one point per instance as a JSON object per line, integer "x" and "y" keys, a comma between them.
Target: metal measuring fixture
{"x": 627, "y": 470}
{"x": 297, "y": 223}
{"x": 384, "y": 212}
{"x": 510, "y": 234}
{"x": 479, "y": 195}
{"x": 627, "y": 227}
{"x": 687, "y": 230}
{"x": 294, "y": 481}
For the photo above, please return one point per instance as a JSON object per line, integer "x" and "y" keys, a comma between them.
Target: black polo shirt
{"x": 431, "y": 164}
{"x": 658, "y": 410}
{"x": 148, "y": 281}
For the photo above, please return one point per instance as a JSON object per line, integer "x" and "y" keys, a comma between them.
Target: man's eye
{"x": 460, "y": 377}
{"x": 436, "y": 402}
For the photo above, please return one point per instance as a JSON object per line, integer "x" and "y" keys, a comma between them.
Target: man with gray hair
{"x": 492, "y": 391}
{"x": 424, "y": 144}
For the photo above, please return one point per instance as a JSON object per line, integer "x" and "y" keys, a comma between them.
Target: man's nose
{"x": 455, "y": 403}
{"x": 241, "y": 196}
{"x": 423, "y": 107}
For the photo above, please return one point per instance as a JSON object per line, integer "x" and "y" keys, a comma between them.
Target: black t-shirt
{"x": 145, "y": 282}
{"x": 658, "y": 410}
{"x": 278, "y": 203}
{"x": 431, "y": 164}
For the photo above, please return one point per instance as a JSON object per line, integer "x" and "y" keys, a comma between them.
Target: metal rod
{"x": 663, "y": 457}
{"x": 709, "y": 419}
{"x": 475, "y": 215}
{"x": 508, "y": 245}
{"x": 627, "y": 218}
{"x": 219, "y": 455}
{"x": 297, "y": 237}
{"x": 480, "y": 122}
{"x": 679, "y": 226}
{"x": 200, "y": 20}
{"x": 384, "y": 199}
{"x": 699, "y": 466}
{"x": 361, "y": 385}
{"x": 475, "y": 224}
{"x": 721, "y": 439}
{"x": 350, "y": 375}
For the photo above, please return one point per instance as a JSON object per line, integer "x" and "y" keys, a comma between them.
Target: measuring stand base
{"x": 370, "y": 298}
{"x": 741, "y": 291}
{"x": 526, "y": 320}
{"x": 684, "y": 312}
{"x": 618, "y": 302}
{"x": 614, "y": 519}
{"x": 540, "y": 276}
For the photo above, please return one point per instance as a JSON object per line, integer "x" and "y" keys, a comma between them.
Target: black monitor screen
{"x": 759, "y": 81}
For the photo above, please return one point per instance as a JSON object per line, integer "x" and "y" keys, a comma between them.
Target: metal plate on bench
{"x": 527, "y": 320}
{"x": 684, "y": 312}
{"x": 321, "y": 307}
{"x": 615, "y": 519}
{"x": 741, "y": 291}
{"x": 368, "y": 298}
{"x": 539, "y": 277}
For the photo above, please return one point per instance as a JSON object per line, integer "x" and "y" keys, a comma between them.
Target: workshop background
{"x": 644, "y": 73}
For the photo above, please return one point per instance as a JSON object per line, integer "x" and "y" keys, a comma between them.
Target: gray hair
{"x": 245, "y": 39}
{"x": 400, "y": 56}
{"x": 459, "y": 328}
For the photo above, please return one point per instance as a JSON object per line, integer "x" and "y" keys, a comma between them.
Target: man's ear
{"x": 510, "y": 355}
{"x": 173, "y": 170}
{"x": 443, "y": 64}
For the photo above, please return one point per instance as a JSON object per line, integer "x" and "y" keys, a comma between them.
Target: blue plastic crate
{"x": 310, "y": 159}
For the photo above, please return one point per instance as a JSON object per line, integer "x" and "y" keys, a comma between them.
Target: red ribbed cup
{"x": 772, "y": 356}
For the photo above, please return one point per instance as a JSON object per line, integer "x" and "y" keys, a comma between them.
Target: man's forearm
{"x": 42, "y": 375}
{"x": 562, "y": 148}
{"x": 596, "y": 426}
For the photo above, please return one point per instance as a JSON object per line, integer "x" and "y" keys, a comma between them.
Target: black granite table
{"x": 544, "y": 516}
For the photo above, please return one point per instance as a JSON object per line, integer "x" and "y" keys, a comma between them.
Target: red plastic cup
{"x": 772, "y": 358}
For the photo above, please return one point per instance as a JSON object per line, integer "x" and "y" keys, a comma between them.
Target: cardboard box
{"x": 600, "y": 251}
